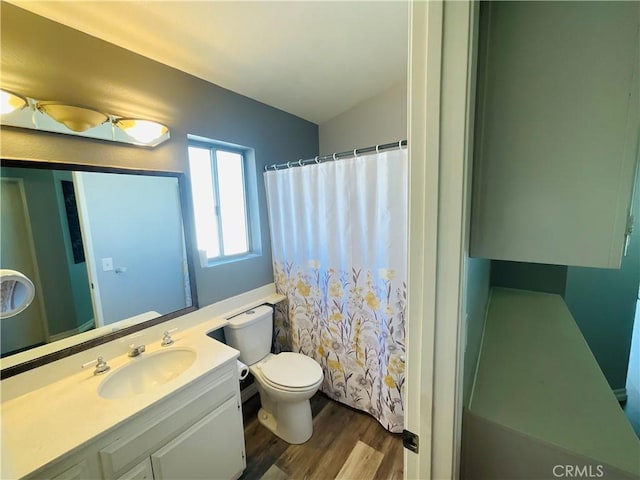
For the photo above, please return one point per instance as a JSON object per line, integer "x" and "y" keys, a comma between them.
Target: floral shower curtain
{"x": 338, "y": 237}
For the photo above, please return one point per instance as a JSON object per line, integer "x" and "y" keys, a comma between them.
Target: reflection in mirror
{"x": 16, "y": 292}
{"x": 104, "y": 250}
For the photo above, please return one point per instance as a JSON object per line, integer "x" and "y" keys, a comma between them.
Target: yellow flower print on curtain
{"x": 353, "y": 324}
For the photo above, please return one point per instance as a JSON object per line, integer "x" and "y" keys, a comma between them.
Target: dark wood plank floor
{"x": 346, "y": 444}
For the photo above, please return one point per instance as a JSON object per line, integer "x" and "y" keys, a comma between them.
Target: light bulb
{"x": 144, "y": 131}
{"x": 10, "y": 102}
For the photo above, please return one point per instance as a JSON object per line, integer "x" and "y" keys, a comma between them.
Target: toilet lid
{"x": 292, "y": 370}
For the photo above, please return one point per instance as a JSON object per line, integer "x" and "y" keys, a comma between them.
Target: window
{"x": 218, "y": 186}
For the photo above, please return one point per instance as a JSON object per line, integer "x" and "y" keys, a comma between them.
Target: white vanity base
{"x": 196, "y": 433}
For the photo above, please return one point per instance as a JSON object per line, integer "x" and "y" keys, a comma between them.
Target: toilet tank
{"x": 251, "y": 333}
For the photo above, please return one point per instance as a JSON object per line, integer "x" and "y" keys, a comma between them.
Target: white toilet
{"x": 286, "y": 381}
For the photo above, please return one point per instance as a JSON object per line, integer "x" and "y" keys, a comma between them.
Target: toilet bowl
{"x": 285, "y": 407}
{"x": 285, "y": 381}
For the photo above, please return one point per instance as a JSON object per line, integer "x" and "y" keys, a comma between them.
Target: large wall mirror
{"x": 108, "y": 251}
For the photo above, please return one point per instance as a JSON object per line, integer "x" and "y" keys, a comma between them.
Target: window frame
{"x": 214, "y": 147}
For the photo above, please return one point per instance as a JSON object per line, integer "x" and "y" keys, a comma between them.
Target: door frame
{"x": 87, "y": 242}
{"x": 441, "y": 97}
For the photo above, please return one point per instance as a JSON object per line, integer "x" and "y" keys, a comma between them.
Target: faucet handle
{"x": 136, "y": 350}
{"x": 166, "y": 337}
{"x": 101, "y": 366}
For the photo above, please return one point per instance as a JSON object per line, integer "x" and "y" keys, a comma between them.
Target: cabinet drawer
{"x": 125, "y": 452}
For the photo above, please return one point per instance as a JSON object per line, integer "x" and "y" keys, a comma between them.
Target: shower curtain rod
{"x": 337, "y": 156}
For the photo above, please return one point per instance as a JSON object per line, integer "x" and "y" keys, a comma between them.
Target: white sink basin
{"x": 146, "y": 372}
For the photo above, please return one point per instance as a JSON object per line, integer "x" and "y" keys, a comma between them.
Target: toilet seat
{"x": 291, "y": 371}
{"x": 292, "y": 390}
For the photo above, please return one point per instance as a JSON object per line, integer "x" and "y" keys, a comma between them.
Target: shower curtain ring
{"x": 317, "y": 161}
{"x": 400, "y": 144}
{"x": 288, "y": 164}
{"x": 334, "y": 157}
{"x": 355, "y": 153}
{"x": 300, "y": 162}
{"x": 377, "y": 148}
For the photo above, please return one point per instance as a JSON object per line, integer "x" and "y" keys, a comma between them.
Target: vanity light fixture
{"x": 143, "y": 131}
{"x": 59, "y": 117}
{"x": 10, "y": 102}
{"x": 78, "y": 119}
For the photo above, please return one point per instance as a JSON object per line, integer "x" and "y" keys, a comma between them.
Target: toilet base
{"x": 293, "y": 423}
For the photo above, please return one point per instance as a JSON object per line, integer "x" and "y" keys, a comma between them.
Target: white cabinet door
{"x": 212, "y": 449}
{"x": 556, "y": 131}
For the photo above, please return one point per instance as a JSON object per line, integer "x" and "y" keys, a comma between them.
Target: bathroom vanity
{"x": 194, "y": 434}
{"x": 185, "y": 425}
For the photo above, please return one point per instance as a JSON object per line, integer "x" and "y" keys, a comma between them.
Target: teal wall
{"x": 46, "y": 60}
{"x": 536, "y": 277}
{"x": 603, "y": 303}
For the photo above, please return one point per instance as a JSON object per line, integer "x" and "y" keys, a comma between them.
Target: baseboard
{"x": 248, "y": 392}
{"x": 621, "y": 394}
{"x": 74, "y": 331}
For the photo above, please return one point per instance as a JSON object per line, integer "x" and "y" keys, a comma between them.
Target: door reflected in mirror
{"x": 104, "y": 250}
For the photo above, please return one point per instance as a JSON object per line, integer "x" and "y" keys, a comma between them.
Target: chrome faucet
{"x": 135, "y": 350}
{"x": 101, "y": 366}
{"x": 166, "y": 337}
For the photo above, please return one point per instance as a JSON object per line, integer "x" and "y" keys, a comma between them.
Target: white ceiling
{"x": 312, "y": 59}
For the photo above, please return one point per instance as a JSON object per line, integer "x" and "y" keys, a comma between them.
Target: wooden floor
{"x": 346, "y": 444}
